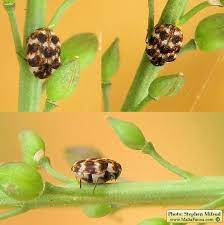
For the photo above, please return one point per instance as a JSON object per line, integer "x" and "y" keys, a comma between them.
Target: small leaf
{"x": 77, "y": 153}
{"x": 20, "y": 181}
{"x": 210, "y": 32}
{"x": 32, "y": 146}
{"x": 129, "y": 134}
{"x": 63, "y": 81}
{"x": 110, "y": 61}
{"x": 154, "y": 221}
{"x": 97, "y": 210}
{"x": 83, "y": 45}
{"x": 166, "y": 86}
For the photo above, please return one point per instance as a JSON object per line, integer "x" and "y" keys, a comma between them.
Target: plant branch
{"x": 146, "y": 72}
{"x": 59, "y": 12}
{"x": 149, "y": 149}
{"x": 30, "y": 86}
{"x": 151, "y": 17}
{"x": 185, "y": 18}
{"x": 197, "y": 190}
{"x": 45, "y": 163}
{"x": 105, "y": 92}
{"x": 13, "y": 212}
{"x": 189, "y": 46}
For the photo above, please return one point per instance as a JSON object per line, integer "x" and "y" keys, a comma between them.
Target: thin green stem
{"x": 214, "y": 204}
{"x": 146, "y": 72}
{"x": 149, "y": 149}
{"x": 10, "y": 9}
{"x": 13, "y": 212}
{"x": 30, "y": 86}
{"x": 45, "y": 163}
{"x": 151, "y": 17}
{"x": 105, "y": 92}
{"x": 143, "y": 103}
{"x": 185, "y": 18}
{"x": 59, "y": 12}
{"x": 189, "y": 46}
{"x": 198, "y": 190}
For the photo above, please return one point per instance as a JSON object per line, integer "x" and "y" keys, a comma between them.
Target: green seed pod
{"x": 216, "y": 2}
{"x": 33, "y": 147}
{"x": 129, "y": 134}
{"x": 166, "y": 86}
{"x": 20, "y": 181}
{"x": 83, "y": 45}
{"x": 209, "y": 33}
{"x": 110, "y": 61}
{"x": 63, "y": 81}
{"x": 154, "y": 221}
{"x": 97, "y": 210}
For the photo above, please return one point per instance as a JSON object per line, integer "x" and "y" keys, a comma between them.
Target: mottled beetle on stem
{"x": 164, "y": 44}
{"x": 43, "y": 52}
{"x": 96, "y": 170}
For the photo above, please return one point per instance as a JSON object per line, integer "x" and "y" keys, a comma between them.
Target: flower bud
{"x": 166, "y": 86}
{"x": 129, "y": 134}
{"x": 216, "y": 2}
{"x": 83, "y": 45}
{"x": 97, "y": 210}
{"x": 110, "y": 61}
{"x": 63, "y": 81}
{"x": 154, "y": 221}
{"x": 33, "y": 147}
{"x": 209, "y": 33}
{"x": 20, "y": 181}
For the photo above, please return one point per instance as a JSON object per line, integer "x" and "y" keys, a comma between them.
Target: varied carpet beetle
{"x": 96, "y": 170}
{"x": 164, "y": 44}
{"x": 43, "y": 52}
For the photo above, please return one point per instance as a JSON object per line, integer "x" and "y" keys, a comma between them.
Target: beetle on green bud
{"x": 83, "y": 45}
{"x": 33, "y": 147}
{"x": 63, "y": 81}
{"x": 97, "y": 210}
{"x": 20, "y": 181}
{"x": 209, "y": 33}
{"x": 166, "y": 86}
{"x": 129, "y": 134}
{"x": 154, "y": 221}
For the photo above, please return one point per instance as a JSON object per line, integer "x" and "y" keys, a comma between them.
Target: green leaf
{"x": 166, "y": 86}
{"x": 20, "y": 181}
{"x": 216, "y": 2}
{"x": 110, "y": 61}
{"x": 77, "y": 153}
{"x": 63, "y": 81}
{"x": 210, "y": 32}
{"x": 83, "y": 45}
{"x": 97, "y": 210}
{"x": 32, "y": 146}
{"x": 129, "y": 134}
{"x": 154, "y": 221}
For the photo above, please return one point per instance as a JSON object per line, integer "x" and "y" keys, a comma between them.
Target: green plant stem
{"x": 13, "y": 212}
{"x": 214, "y": 204}
{"x": 198, "y": 190}
{"x": 189, "y": 46}
{"x": 30, "y": 86}
{"x": 146, "y": 72}
{"x": 45, "y": 163}
{"x": 149, "y": 149}
{"x": 49, "y": 106}
{"x": 185, "y": 18}
{"x": 58, "y": 14}
{"x": 151, "y": 17}
{"x": 143, "y": 103}
{"x": 105, "y": 92}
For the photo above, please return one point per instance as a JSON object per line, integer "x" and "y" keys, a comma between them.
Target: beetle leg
{"x": 80, "y": 183}
{"x": 95, "y": 186}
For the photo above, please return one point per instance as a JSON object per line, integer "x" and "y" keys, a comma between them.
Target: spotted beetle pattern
{"x": 97, "y": 170}
{"x": 43, "y": 52}
{"x": 164, "y": 44}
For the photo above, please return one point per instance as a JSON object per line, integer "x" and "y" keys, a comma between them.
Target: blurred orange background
{"x": 81, "y": 17}
{"x": 192, "y": 141}
{"x": 128, "y": 21}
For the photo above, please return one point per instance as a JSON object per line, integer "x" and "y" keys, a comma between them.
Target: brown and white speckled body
{"x": 43, "y": 52}
{"x": 97, "y": 170}
{"x": 164, "y": 44}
